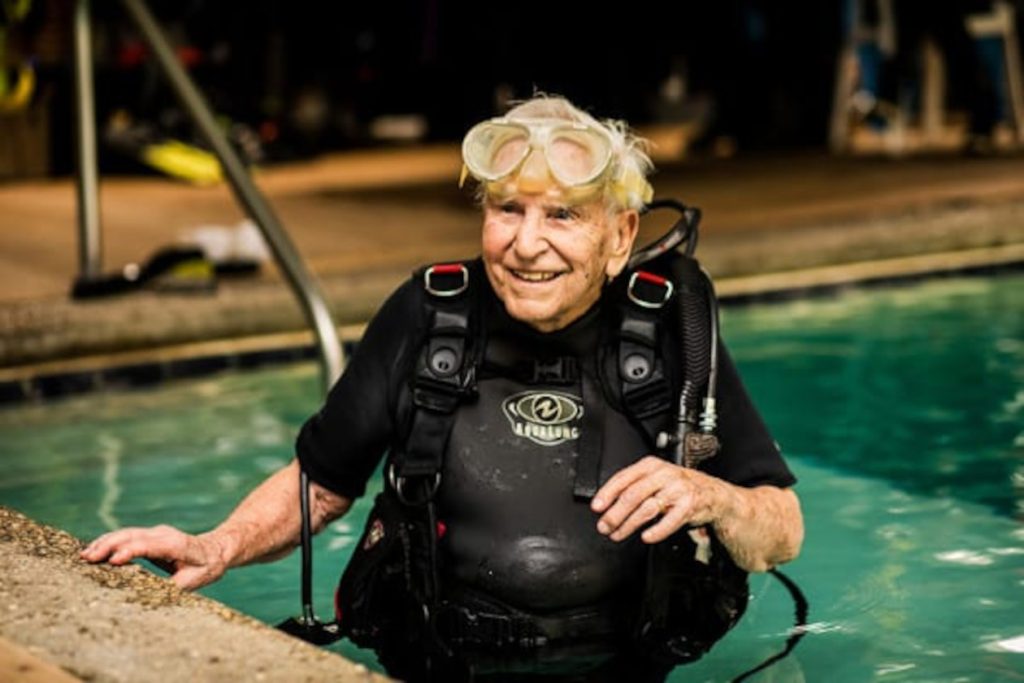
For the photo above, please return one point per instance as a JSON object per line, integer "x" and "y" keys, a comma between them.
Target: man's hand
{"x": 761, "y": 527}
{"x": 194, "y": 560}
{"x": 264, "y": 527}
{"x": 654, "y": 487}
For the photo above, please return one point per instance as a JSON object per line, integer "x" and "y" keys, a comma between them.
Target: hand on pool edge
{"x": 195, "y": 560}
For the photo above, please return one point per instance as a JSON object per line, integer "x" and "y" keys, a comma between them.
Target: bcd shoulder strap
{"x": 665, "y": 296}
{"x": 445, "y": 377}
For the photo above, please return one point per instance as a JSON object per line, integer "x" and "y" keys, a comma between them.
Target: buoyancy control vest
{"x": 655, "y": 364}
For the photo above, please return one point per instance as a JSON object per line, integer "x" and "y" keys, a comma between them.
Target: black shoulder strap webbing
{"x": 645, "y": 388}
{"x": 591, "y": 442}
{"x": 445, "y": 376}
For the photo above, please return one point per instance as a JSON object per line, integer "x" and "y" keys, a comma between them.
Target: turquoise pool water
{"x": 900, "y": 409}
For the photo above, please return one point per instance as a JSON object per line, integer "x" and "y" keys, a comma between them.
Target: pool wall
{"x": 141, "y": 367}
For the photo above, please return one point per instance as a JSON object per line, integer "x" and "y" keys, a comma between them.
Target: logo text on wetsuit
{"x": 545, "y": 417}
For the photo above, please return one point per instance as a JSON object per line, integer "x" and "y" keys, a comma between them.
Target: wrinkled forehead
{"x": 589, "y": 200}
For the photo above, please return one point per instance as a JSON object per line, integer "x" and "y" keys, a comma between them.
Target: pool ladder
{"x": 306, "y": 289}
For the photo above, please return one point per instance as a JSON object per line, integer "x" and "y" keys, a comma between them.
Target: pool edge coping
{"x": 162, "y": 631}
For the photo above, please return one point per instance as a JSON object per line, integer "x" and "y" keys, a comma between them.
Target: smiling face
{"x": 547, "y": 255}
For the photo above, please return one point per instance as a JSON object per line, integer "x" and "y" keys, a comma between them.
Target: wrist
{"x": 221, "y": 547}
{"x": 727, "y": 506}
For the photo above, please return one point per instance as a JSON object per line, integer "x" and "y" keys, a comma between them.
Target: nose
{"x": 530, "y": 241}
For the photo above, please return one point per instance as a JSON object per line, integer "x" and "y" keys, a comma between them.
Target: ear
{"x": 625, "y": 225}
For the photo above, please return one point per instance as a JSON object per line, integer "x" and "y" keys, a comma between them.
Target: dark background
{"x": 298, "y": 77}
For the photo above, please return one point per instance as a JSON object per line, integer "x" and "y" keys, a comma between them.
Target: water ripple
{"x": 819, "y": 627}
{"x": 968, "y": 558}
{"x": 892, "y": 668}
{"x": 1012, "y": 550}
{"x": 1015, "y": 644}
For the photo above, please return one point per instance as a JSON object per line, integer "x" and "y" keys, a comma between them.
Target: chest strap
{"x": 504, "y": 358}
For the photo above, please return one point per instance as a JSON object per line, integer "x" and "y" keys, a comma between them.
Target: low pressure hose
{"x": 709, "y": 418}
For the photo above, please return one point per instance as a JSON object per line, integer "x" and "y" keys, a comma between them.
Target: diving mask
{"x": 578, "y": 156}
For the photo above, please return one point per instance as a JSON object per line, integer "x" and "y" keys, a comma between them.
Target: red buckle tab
{"x": 650, "y": 278}
{"x": 446, "y": 269}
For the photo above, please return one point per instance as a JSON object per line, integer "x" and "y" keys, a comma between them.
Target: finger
{"x": 622, "y": 480}
{"x": 103, "y": 546}
{"x": 632, "y": 499}
{"x": 643, "y": 514}
{"x": 129, "y": 551}
{"x": 191, "y": 578}
{"x": 160, "y": 542}
{"x": 672, "y": 521}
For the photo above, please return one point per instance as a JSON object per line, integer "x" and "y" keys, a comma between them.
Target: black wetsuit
{"x": 515, "y": 532}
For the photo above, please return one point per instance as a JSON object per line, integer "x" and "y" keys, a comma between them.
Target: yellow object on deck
{"x": 183, "y": 161}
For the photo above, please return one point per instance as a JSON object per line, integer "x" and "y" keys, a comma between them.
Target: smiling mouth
{"x": 528, "y": 276}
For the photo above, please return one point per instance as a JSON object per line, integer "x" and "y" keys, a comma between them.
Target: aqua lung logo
{"x": 545, "y": 417}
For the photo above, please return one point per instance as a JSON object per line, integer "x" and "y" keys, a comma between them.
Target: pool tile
{"x": 65, "y": 384}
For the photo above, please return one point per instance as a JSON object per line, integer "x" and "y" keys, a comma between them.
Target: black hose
{"x": 801, "y": 608}
{"x": 307, "y": 550}
{"x": 692, "y": 217}
{"x": 694, "y": 302}
{"x": 683, "y": 230}
{"x": 664, "y": 204}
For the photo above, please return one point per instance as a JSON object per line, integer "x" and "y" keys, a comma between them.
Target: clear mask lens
{"x": 576, "y": 155}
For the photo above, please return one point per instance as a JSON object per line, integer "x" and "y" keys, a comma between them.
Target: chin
{"x": 531, "y": 314}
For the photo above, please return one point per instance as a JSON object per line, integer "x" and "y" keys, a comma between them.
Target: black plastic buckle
{"x": 650, "y": 398}
{"x": 436, "y": 396}
{"x": 434, "y": 286}
{"x": 561, "y": 370}
{"x": 642, "y": 279}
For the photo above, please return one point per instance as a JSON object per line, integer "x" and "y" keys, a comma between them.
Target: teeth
{"x": 534, "y": 277}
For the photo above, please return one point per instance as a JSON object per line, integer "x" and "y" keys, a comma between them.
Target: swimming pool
{"x": 901, "y": 410}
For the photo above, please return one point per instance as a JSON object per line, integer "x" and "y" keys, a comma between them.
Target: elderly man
{"x": 524, "y": 494}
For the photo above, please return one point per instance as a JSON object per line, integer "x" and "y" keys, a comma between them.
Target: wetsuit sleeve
{"x": 342, "y": 444}
{"x": 749, "y": 455}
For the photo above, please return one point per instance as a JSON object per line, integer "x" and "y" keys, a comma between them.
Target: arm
{"x": 761, "y": 527}
{"x": 266, "y": 525}
{"x": 340, "y": 446}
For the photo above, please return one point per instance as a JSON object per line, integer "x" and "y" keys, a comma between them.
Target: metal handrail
{"x": 287, "y": 257}
{"x": 89, "y": 236}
